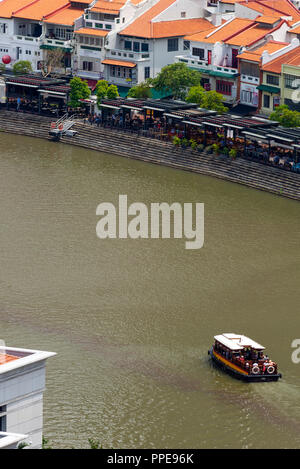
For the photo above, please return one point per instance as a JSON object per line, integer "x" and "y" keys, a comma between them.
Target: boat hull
{"x": 239, "y": 375}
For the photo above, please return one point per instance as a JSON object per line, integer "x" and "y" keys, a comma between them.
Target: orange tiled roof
{"x": 267, "y": 19}
{"x": 64, "y": 16}
{"x": 91, "y": 32}
{"x": 143, "y": 25}
{"x": 250, "y": 35}
{"x": 273, "y": 8}
{"x": 120, "y": 63}
{"x": 255, "y": 55}
{"x": 105, "y": 6}
{"x": 40, "y": 8}
{"x": 220, "y": 34}
{"x": 295, "y": 30}
{"x": 179, "y": 27}
{"x": 7, "y": 7}
{"x": 290, "y": 58}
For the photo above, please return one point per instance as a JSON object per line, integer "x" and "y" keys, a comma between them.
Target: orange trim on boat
{"x": 4, "y": 358}
{"x": 228, "y": 363}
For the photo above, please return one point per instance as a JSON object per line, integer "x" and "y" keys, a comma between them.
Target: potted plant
{"x": 216, "y": 148}
{"x": 193, "y": 144}
{"x": 184, "y": 143}
{"x": 200, "y": 147}
{"x": 176, "y": 141}
{"x": 233, "y": 153}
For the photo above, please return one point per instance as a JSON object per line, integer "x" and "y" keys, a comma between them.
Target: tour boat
{"x": 243, "y": 358}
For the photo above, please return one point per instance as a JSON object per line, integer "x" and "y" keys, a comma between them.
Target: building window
{"x": 145, "y": 47}
{"x": 266, "y": 100}
{"x": 186, "y": 45}
{"x": 272, "y": 80}
{"x": 3, "y": 419}
{"x": 183, "y": 14}
{"x": 88, "y": 66}
{"x": 127, "y": 45}
{"x": 136, "y": 47}
{"x": 147, "y": 73}
{"x": 291, "y": 81}
{"x": 224, "y": 87}
{"x": 89, "y": 24}
{"x": 198, "y": 52}
{"x": 99, "y": 25}
{"x": 172, "y": 45}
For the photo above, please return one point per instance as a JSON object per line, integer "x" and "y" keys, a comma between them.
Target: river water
{"x": 132, "y": 320}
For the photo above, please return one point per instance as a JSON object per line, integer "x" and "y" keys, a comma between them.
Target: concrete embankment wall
{"x": 241, "y": 171}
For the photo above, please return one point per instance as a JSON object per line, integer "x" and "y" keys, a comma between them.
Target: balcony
{"x": 136, "y": 56}
{"x": 90, "y": 75}
{"x": 204, "y": 67}
{"x": 122, "y": 81}
{"x": 47, "y": 43}
{"x": 27, "y": 39}
{"x": 250, "y": 79}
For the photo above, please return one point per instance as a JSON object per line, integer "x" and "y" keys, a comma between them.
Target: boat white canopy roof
{"x": 236, "y": 342}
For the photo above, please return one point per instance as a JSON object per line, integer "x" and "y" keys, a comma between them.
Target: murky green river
{"x": 132, "y": 320}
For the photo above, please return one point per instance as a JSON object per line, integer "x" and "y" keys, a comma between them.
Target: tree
{"x": 79, "y": 90}
{"x": 285, "y": 116}
{"x": 23, "y": 67}
{"x": 206, "y": 99}
{"x": 143, "y": 90}
{"x": 112, "y": 92}
{"x": 101, "y": 90}
{"x": 176, "y": 79}
{"x": 54, "y": 59}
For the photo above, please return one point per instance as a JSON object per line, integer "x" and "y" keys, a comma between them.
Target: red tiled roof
{"x": 290, "y": 58}
{"x": 120, "y": 63}
{"x": 91, "y": 32}
{"x": 255, "y": 55}
{"x": 65, "y": 16}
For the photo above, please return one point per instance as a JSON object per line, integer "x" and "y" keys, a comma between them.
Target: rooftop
{"x": 290, "y": 58}
{"x": 104, "y": 6}
{"x": 236, "y": 342}
{"x": 223, "y": 32}
{"x": 38, "y": 9}
{"x": 255, "y": 55}
{"x": 12, "y": 358}
{"x": 273, "y": 8}
{"x": 65, "y": 16}
{"x": 91, "y": 32}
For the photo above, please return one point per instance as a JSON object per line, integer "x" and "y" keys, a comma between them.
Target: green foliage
{"x": 94, "y": 444}
{"x": 141, "y": 91}
{"x": 285, "y": 116}
{"x": 79, "y": 90}
{"x": 200, "y": 147}
{"x": 193, "y": 144}
{"x": 176, "y": 141}
{"x": 216, "y": 148}
{"x": 225, "y": 151}
{"x": 206, "y": 99}
{"x": 233, "y": 153}
{"x": 184, "y": 142}
{"x": 176, "y": 79}
{"x": 2, "y": 68}
{"x": 23, "y": 67}
{"x": 112, "y": 92}
{"x": 23, "y": 445}
{"x": 103, "y": 90}
{"x": 45, "y": 443}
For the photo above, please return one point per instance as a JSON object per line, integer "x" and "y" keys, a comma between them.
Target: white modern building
{"x": 22, "y": 384}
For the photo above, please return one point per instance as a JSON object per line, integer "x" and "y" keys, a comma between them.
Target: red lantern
{"x": 6, "y": 59}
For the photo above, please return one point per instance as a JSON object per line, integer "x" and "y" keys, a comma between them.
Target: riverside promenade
{"x": 248, "y": 173}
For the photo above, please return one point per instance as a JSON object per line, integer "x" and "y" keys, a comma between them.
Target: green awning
{"x": 223, "y": 74}
{"x": 269, "y": 89}
{"x": 47, "y": 47}
{"x": 215, "y": 73}
{"x": 123, "y": 91}
{"x": 155, "y": 94}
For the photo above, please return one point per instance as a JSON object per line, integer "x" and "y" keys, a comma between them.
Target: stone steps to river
{"x": 150, "y": 150}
